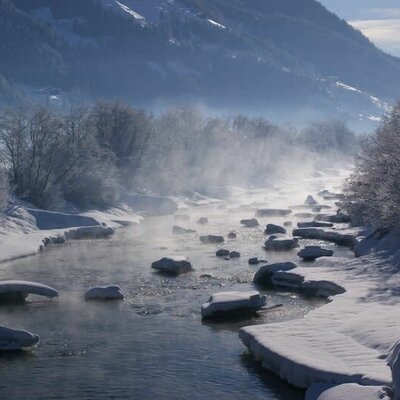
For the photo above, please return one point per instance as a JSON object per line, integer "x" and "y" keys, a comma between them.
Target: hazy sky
{"x": 377, "y": 19}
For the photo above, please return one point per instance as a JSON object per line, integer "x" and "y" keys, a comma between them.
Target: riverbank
{"x": 347, "y": 340}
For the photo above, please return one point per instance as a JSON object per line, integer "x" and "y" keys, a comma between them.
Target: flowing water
{"x": 154, "y": 344}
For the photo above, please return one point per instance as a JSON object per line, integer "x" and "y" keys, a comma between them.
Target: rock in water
{"x": 202, "y": 221}
{"x": 272, "y": 229}
{"x": 314, "y": 224}
{"x": 13, "y": 339}
{"x": 270, "y": 212}
{"x": 232, "y": 235}
{"x": 222, "y": 253}
{"x": 209, "y": 239}
{"x": 179, "y": 230}
{"x": 173, "y": 265}
{"x": 234, "y": 254}
{"x": 250, "y": 223}
{"x": 104, "y": 293}
{"x": 264, "y": 274}
{"x": 228, "y": 303}
{"x": 280, "y": 244}
{"x": 311, "y": 253}
{"x": 310, "y": 201}
{"x": 19, "y": 290}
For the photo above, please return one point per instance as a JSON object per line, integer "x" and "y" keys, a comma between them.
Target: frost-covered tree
{"x": 374, "y": 188}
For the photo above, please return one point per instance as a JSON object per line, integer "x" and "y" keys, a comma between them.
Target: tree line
{"x": 90, "y": 155}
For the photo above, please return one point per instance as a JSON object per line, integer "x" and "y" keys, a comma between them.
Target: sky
{"x": 379, "y": 20}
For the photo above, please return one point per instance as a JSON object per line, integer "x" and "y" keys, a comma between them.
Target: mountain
{"x": 282, "y": 57}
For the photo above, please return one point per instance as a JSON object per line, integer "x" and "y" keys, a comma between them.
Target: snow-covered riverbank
{"x": 346, "y": 341}
{"x": 25, "y": 231}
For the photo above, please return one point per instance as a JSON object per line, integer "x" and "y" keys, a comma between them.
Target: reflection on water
{"x": 153, "y": 345}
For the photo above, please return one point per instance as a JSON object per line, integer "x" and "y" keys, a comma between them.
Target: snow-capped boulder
{"x": 104, "y": 293}
{"x": 14, "y": 339}
{"x": 347, "y": 391}
{"x": 271, "y": 212}
{"x": 228, "y": 303}
{"x": 210, "y": 239}
{"x": 250, "y": 223}
{"x": 310, "y": 201}
{"x": 311, "y": 253}
{"x": 273, "y": 229}
{"x": 264, "y": 275}
{"x": 20, "y": 290}
{"x": 173, "y": 265}
{"x": 179, "y": 230}
{"x": 280, "y": 243}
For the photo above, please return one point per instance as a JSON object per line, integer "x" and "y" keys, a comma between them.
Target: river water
{"x": 153, "y": 345}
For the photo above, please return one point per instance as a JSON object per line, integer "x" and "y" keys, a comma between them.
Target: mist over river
{"x": 154, "y": 344}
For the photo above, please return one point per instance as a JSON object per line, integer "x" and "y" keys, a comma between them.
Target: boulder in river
{"x": 14, "y": 339}
{"x": 265, "y": 273}
{"x": 179, "y": 230}
{"x": 222, "y": 253}
{"x": 288, "y": 224}
{"x": 250, "y": 223}
{"x": 233, "y": 303}
{"x": 273, "y": 229}
{"x": 173, "y": 265}
{"x": 18, "y": 291}
{"x": 341, "y": 239}
{"x": 210, "y": 239}
{"x": 234, "y": 254}
{"x": 232, "y": 235}
{"x": 280, "y": 243}
{"x": 310, "y": 201}
{"x": 202, "y": 221}
{"x": 255, "y": 261}
{"x": 311, "y": 253}
{"x": 271, "y": 212}
{"x": 112, "y": 292}
{"x": 314, "y": 224}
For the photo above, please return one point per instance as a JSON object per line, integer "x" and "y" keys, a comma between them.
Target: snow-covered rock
{"x": 209, "y": 239}
{"x": 347, "y": 391}
{"x": 273, "y": 229}
{"x": 270, "y": 212}
{"x": 13, "y": 339}
{"x": 226, "y": 303}
{"x": 112, "y": 292}
{"x": 311, "y": 253}
{"x": 173, "y": 265}
{"x": 280, "y": 243}
{"x": 250, "y": 223}
{"x": 19, "y": 290}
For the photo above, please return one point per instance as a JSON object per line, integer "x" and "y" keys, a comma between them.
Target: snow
{"x": 224, "y": 303}
{"x": 112, "y": 292}
{"x": 13, "y": 339}
{"x": 130, "y": 11}
{"x": 173, "y": 265}
{"x": 24, "y": 288}
{"x": 349, "y": 391}
{"x": 218, "y": 25}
